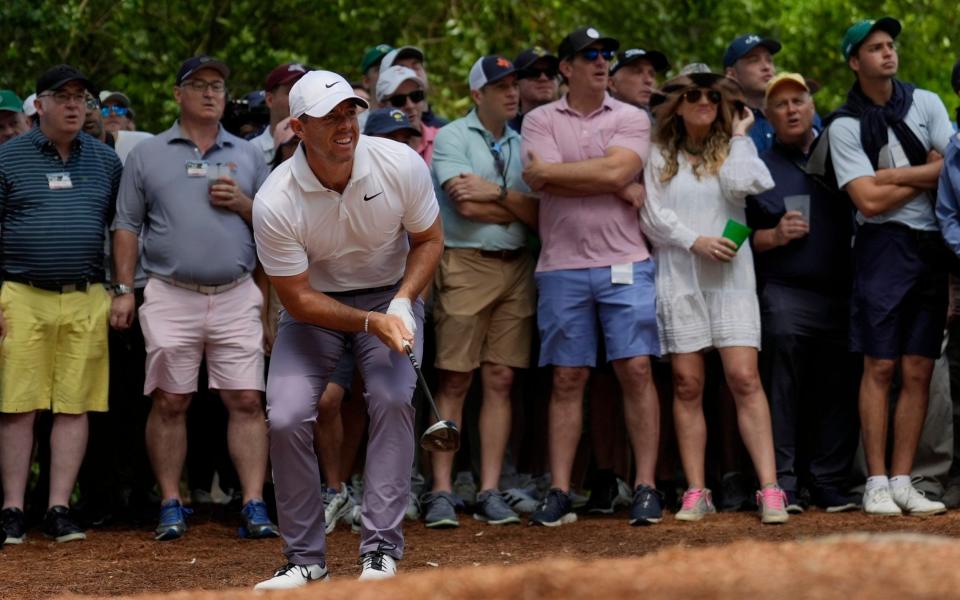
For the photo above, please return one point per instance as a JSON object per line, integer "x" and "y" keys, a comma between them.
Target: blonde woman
{"x": 702, "y": 167}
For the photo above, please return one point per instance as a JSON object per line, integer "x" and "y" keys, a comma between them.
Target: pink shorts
{"x": 180, "y": 325}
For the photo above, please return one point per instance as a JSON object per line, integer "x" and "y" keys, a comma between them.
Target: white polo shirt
{"x": 348, "y": 241}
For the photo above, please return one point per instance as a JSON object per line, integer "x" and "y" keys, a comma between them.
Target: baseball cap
{"x": 192, "y": 65}
{"x": 740, "y": 46}
{"x": 373, "y": 56}
{"x": 28, "y": 108}
{"x": 955, "y": 77}
{"x": 391, "y": 79}
{"x": 117, "y": 98}
{"x": 319, "y": 92}
{"x": 59, "y": 76}
{"x": 578, "y": 39}
{"x": 783, "y": 78}
{"x": 285, "y": 74}
{"x": 697, "y": 67}
{"x": 387, "y": 120}
{"x": 860, "y": 30}
{"x": 489, "y": 69}
{"x": 625, "y": 57}
{"x": 527, "y": 57}
{"x": 10, "y": 102}
{"x": 400, "y": 53}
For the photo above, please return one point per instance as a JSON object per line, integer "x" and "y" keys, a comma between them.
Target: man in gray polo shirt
{"x": 188, "y": 191}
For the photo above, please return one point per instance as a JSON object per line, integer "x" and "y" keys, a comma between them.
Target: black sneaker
{"x": 555, "y": 510}
{"x": 647, "y": 507}
{"x": 58, "y": 525}
{"x": 833, "y": 500}
{"x": 795, "y": 505}
{"x": 13, "y": 524}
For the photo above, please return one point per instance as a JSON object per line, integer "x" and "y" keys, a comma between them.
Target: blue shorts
{"x": 576, "y": 304}
{"x": 899, "y": 304}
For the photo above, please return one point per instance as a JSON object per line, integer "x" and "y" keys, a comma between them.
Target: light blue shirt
{"x": 948, "y": 196}
{"x": 464, "y": 146}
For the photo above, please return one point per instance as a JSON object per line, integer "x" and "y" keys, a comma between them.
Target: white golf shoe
{"x": 912, "y": 501}
{"x": 291, "y": 576}
{"x": 377, "y": 564}
{"x": 877, "y": 501}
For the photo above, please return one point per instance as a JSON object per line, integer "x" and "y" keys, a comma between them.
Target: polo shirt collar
{"x": 41, "y": 141}
{"x": 563, "y": 106}
{"x": 177, "y": 135}
{"x": 472, "y": 121}
{"x": 308, "y": 181}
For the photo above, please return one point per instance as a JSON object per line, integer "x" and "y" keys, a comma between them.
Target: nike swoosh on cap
{"x": 332, "y": 84}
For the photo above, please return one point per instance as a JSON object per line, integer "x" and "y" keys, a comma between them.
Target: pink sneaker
{"x": 696, "y": 503}
{"x": 772, "y": 502}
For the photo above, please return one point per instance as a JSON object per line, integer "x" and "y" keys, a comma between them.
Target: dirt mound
{"x": 848, "y": 566}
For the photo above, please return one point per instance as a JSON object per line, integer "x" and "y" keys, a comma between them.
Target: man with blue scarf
{"x": 881, "y": 142}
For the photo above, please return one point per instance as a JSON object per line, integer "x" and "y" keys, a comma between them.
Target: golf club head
{"x": 442, "y": 436}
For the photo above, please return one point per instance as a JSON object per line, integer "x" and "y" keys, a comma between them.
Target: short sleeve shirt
{"x": 464, "y": 146}
{"x": 597, "y": 230}
{"x": 928, "y": 119}
{"x": 349, "y": 241}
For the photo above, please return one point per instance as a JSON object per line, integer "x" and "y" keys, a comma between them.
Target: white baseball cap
{"x": 318, "y": 92}
{"x": 391, "y": 79}
{"x": 399, "y": 53}
{"x": 28, "y": 108}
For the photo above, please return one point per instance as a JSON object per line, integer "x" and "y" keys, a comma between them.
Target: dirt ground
{"x": 717, "y": 557}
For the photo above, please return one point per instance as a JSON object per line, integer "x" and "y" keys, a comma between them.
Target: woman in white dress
{"x": 701, "y": 168}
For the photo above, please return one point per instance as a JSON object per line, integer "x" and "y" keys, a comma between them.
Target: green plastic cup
{"x": 736, "y": 232}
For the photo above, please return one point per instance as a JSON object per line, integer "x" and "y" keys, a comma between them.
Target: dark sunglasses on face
{"x": 533, "y": 73}
{"x": 591, "y": 54}
{"x": 400, "y": 100}
{"x": 693, "y": 96}
{"x": 120, "y": 111}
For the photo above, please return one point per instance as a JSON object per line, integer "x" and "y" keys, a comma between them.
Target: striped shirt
{"x": 53, "y": 214}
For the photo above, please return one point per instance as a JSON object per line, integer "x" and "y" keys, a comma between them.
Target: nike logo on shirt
{"x": 367, "y": 198}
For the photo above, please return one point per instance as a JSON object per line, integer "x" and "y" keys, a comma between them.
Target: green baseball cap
{"x": 373, "y": 56}
{"x": 9, "y": 101}
{"x": 859, "y": 32}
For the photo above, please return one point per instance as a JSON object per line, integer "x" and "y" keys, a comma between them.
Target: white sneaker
{"x": 292, "y": 576}
{"x": 877, "y": 501}
{"x": 413, "y": 508}
{"x": 377, "y": 564}
{"x": 336, "y": 505}
{"x": 913, "y": 502}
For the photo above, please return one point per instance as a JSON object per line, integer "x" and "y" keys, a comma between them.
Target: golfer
{"x": 349, "y": 233}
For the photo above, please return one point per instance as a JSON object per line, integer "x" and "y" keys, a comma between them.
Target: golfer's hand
{"x": 121, "y": 311}
{"x": 403, "y": 308}
{"x": 390, "y": 330}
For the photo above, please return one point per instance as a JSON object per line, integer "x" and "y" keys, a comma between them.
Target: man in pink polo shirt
{"x": 595, "y": 275}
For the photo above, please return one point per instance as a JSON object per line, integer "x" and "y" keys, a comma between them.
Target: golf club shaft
{"x": 422, "y": 381}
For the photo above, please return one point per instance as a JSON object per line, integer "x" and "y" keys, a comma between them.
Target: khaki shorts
{"x": 484, "y": 310}
{"x": 55, "y": 354}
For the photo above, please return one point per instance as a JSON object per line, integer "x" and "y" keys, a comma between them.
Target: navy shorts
{"x": 899, "y": 302}
{"x": 576, "y": 305}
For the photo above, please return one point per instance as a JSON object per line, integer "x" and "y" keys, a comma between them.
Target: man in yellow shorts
{"x": 58, "y": 189}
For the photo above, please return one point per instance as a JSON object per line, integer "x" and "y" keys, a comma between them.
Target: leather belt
{"x": 362, "y": 291}
{"x": 201, "y": 288}
{"x": 506, "y": 255}
{"x": 61, "y": 287}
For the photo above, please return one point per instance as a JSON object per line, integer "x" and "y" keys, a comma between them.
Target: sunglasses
{"x": 533, "y": 73}
{"x": 400, "y": 100}
{"x": 120, "y": 111}
{"x": 693, "y": 96}
{"x": 591, "y": 54}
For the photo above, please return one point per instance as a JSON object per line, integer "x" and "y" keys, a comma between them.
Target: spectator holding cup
{"x": 702, "y": 167}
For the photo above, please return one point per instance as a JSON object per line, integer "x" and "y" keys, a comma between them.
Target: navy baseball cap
{"x": 489, "y": 69}
{"x": 578, "y": 39}
{"x": 657, "y": 59}
{"x": 59, "y": 76}
{"x": 192, "y": 65}
{"x": 739, "y": 47}
{"x": 387, "y": 120}
{"x": 531, "y": 55}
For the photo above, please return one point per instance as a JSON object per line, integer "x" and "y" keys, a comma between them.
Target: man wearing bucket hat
{"x": 348, "y": 230}
{"x": 881, "y": 142}
{"x": 803, "y": 274}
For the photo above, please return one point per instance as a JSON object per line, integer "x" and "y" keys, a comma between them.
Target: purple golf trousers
{"x": 304, "y": 356}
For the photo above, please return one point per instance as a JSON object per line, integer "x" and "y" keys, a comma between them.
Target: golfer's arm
{"x": 307, "y": 305}
{"x": 426, "y": 247}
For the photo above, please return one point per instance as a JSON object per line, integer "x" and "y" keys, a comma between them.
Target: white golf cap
{"x": 391, "y": 79}
{"x": 318, "y": 92}
{"x": 400, "y": 53}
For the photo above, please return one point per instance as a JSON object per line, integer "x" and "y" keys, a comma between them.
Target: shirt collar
{"x": 563, "y": 106}
{"x": 307, "y": 179}
{"x": 473, "y": 122}
{"x": 41, "y": 141}
{"x": 177, "y": 135}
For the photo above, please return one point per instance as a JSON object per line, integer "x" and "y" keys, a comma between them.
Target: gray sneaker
{"x": 336, "y": 504}
{"x": 440, "y": 510}
{"x": 492, "y": 508}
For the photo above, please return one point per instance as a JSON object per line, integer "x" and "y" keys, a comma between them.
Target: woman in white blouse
{"x": 701, "y": 168}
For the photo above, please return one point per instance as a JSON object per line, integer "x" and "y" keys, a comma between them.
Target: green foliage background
{"x": 137, "y": 45}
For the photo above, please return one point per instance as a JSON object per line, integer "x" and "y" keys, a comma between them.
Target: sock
{"x": 900, "y": 481}
{"x": 877, "y": 481}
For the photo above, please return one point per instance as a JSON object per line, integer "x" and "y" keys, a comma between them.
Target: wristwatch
{"x": 120, "y": 289}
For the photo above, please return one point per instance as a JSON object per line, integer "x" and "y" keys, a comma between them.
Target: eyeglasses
{"x": 591, "y": 54}
{"x": 64, "y": 97}
{"x": 120, "y": 111}
{"x": 400, "y": 100}
{"x": 534, "y": 73}
{"x": 200, "y": 86}
{"x": 693, "y": 96}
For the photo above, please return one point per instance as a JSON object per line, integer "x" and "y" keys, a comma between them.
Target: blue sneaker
{"x": 440, "y": 510}
{"x": 492, "y": 508}
{"x": 647, "y": 507}
{"x": 173, "y": 521}
{"x": 256, "y": 522}
{"x": 555, "y": 510}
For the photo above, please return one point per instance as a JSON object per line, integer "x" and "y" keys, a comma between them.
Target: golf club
{"x": 442, "y": 436}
